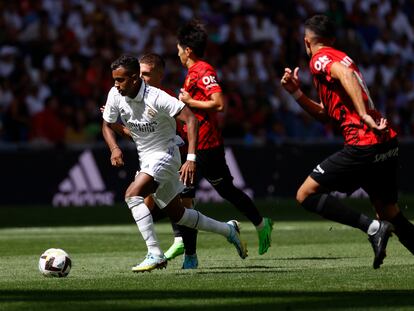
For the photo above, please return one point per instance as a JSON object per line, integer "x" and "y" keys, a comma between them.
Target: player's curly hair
{"x": 130, "y": 63}
{"x": 193, "y": 35}
{"x": 322, "y": 26}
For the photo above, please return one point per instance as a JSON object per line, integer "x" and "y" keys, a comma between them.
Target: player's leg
{"x": 141, "y": 187}
{"x": 194, "y": 219}
{"x": 156, "y": 213}
{"x": 403, "y": 228}
{"x": 177, "y": 248}
{"x": 383, "y": 191}
{"x": 212, "y": 165}
{"x": 314, "y": 198}
{"x": 189, "y": 235}
{"x": 341, "y": 172}
{"x": 185, "y": 239}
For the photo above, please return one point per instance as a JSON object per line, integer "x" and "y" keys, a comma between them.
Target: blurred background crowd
{"x": 55, "y": 57}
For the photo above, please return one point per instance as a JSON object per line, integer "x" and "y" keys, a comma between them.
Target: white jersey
{"x": 149, "y": 117}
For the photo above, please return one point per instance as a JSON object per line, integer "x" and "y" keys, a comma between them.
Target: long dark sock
{"x": 190, "y": 240}
{"x": 240, "y": 200}
{"x": 331, "y": 208}
{"x": 158, "y": 214}
{"x": 177, "y": 230}
{"x": 189, "y": 236}
{"x": 404, "y": 229}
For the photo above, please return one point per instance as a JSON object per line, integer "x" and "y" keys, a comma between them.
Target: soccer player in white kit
{"x": 149, "y": 113}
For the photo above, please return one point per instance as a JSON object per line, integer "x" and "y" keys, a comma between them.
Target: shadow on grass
{"x": 314, "y": 258}
{"x": 230, "y": 300}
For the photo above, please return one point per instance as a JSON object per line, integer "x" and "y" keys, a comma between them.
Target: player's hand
{"x": 187, "y": 172}
{"x": 290, "y": 80}
{"x": 184, "y": 96}
{"x": 370, "y": 122}
{"x": 102, "y": 108}
{"x": 117, "y": 157}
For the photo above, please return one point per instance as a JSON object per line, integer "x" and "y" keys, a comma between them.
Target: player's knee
{"x": 133, "y": 201}
{"x": 315, "y": 202}
{"x": 129, "y": 193}
{"x": 175, "y": 210}
{"x": 224, "y": 186}
{"x": 149, "y": 201}
{"x": 308, "y": 188}
{"x": 301, "y": 195}
{"x": 187, "y": 202}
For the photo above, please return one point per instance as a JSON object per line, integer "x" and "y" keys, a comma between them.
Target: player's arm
{"x": 187, "y": 170}
{"x": 119, "y": 128}
{"x": 215, "y": 103}
{"x": 353, "y": 88}
{"x": 290, "y": 82}
{"x": 110, "y": 139}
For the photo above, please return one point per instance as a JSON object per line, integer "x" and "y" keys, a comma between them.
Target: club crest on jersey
{"x": 124, "y": 115}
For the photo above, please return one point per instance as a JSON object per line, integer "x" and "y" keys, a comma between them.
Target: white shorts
{"x": 163, "y": 167}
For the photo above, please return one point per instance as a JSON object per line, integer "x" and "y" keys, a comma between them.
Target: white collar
{"x": 140, "y": 95}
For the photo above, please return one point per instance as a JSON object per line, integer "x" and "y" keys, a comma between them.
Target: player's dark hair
{"x": 322, "y": 26}
{"x": 193, "y": 35}
{"x": 153, "y": 59}
{"x": 130, "y": 63}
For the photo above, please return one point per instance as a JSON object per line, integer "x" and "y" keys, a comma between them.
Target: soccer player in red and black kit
{"x": 203, "y": 94}
{"x": 370, "y": 155}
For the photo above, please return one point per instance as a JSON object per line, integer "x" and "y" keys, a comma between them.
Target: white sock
{"x": 143, "y": 219}
{"x": 373, "y": 227}
{"x": 194, "y": 219}
{"x": 178, "y": 239}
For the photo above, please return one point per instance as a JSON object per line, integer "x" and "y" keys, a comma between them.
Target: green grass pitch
{"x": 312, "y": 265}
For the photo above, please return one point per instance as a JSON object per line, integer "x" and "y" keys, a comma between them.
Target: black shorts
{"x": 211, "y": 164}
{"x": 372, "y": 168}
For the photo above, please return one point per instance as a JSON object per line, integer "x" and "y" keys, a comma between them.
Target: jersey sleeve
{"x": 111, "y": 111}
{"x": 169, "y": 104}
{"x": 320, "y": 64}
{"x": 207, "y": 81}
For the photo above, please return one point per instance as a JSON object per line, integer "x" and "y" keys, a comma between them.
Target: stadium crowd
{"x": 55, "y": 57}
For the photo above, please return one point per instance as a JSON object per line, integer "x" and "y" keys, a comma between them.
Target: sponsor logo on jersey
{"x": 209, "y": 81}
{"x": 83, "y": 185}
{"x": 322, "y": 62}
{"x": 146, "y": 127}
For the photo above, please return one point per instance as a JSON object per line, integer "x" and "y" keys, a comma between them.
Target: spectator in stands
{"x": 54, "y": 39}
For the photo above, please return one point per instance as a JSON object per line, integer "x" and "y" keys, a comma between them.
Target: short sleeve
{"x": 169, "y": 104}
{"x": 208, "y": 82}
{"x": 111, "y": 111}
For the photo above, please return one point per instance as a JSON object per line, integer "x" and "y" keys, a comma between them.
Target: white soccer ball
{"x": 55, "y": 262}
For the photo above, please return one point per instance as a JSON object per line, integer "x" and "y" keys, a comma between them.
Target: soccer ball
{"x": 55, "y": 262}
